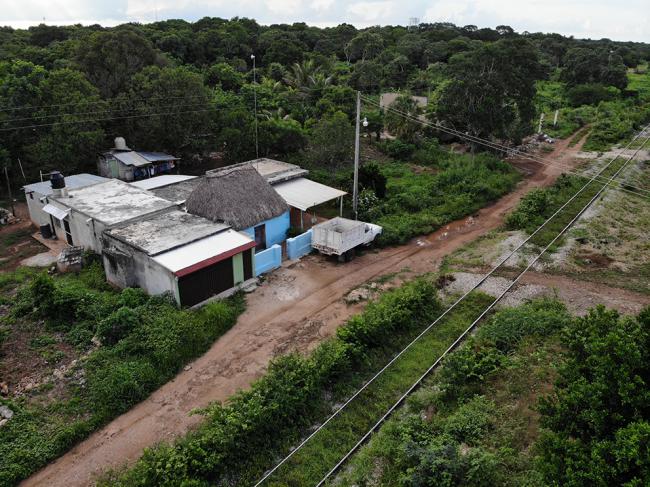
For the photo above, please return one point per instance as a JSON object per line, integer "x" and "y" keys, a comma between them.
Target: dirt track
{"x": 294, "y": 309}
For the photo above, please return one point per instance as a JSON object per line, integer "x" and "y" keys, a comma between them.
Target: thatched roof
{"x": 238, "y": 196}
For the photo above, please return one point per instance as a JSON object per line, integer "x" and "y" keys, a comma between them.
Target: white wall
{"x": 128, "y": 267}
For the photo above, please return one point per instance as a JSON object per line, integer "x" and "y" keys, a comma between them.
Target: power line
{"x": 102, "y": 119}
{"x": 107, "y": 110}
{"x": 426, "y": 330}
{"x": 475, "y": 322}
{"x": 630, "y": 188}
{"x": 77, "y": 103}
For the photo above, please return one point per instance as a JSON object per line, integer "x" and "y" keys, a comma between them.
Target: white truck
{"x": 340, "y": 236}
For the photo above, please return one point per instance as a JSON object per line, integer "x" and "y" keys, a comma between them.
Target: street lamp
{"x": 257, "y": 151}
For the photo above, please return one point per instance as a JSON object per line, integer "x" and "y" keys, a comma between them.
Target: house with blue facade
{"x": 243, "y": 199}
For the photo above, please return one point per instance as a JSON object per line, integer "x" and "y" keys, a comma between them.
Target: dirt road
{"x": 295, "y": 308}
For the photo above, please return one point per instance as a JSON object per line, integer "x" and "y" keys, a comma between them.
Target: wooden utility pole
{"x": 11, "y": 198}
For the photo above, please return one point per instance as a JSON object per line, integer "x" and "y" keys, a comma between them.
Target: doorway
{"x": 260, "y": 238}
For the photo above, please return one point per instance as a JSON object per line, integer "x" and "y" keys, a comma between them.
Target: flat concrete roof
{"x": 166, "y": 231}
{"x": 160, "y": 181}
{"x": 179, "y": 191}
{"x": 186, "y": 258}
{"x": 272, "y": 170}
{"x": 71, "y": 182}
{"x": 113, "y": 202}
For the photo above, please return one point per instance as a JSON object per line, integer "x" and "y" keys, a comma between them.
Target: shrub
{"x": 397, "y": 149}
{"x": 118, "y": 385}
{"x": 590, "y": 94}
{"x": 471, "y": 421}
{"x": 117, "y": 325}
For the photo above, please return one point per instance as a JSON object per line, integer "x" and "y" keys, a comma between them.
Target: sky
{"x": 625, "y": 20}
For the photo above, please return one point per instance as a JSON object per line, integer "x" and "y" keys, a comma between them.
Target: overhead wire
{"x": 478, "y": 319}
{"x": 428, "y": 328}
{"x": 627, "y": 188}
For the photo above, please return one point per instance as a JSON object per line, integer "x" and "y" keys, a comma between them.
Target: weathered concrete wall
{"x": 35, "y": 207}
{"x": 127, "y": 267}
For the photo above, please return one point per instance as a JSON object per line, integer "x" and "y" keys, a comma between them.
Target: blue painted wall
{"x": 299, "y": 246}
{"x": 268, "y": 259}
{"x": 276, "y": 229}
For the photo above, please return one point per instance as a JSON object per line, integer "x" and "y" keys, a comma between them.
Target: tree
{"x": 587, "y": 66}
{"x": 225, "y": 75}
{"x": 110, "y": 58}
{"x": 491, "y": 90}
{"x": 57, "y": 141}
{"x": 176, "y": 107}
{"x": 331, "y": 143}
{"x": 365, "y": 46}
{"x": 398, "y": 124}
{"x": 597, "y": 416}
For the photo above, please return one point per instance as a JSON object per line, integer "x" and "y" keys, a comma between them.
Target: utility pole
{"x": 257, "y": 150}
{"x": 11, "y": 198}
{"x": 357, "y": 135}
{"x": 557, "y": 113}
{"x": 541, "y": 123}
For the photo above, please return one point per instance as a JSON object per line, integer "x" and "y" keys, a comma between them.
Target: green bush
{"x": 146, "y": 342}
{"x": 117, "y": 325}
{"x": 283, "y": 400}
{"x": 471, "y": 421}
{"x": 115, "y": 388}
{"x": 590, "y": 94}
{"x": 397, "y": 149}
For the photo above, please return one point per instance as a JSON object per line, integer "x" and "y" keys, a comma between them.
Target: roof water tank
{"x": 57, "y": 181}
{"x": 120, "y": 143}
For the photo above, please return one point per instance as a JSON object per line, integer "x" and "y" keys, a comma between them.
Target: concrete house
{"x": 128, "y": 165}
{"x": 174, "y": 252}
{"x": 38, "y": 195}
{"x": 81, "y": 215}
{"x": 240, "y": 197}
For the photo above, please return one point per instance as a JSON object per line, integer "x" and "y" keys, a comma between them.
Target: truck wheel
{"x": 341, "y": 258}
{"x": 349, "y": 255}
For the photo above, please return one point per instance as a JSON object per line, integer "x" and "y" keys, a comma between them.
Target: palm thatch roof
{"x": 238, "y": 196}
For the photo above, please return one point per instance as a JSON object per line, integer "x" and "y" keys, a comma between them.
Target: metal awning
{"x": 57, "y": 213}
{"x": 303, "y": 193}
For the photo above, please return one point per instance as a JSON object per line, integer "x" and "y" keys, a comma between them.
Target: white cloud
{"x": 322, "y": 5}
{"x": 283, "y": 7}
{"x": 376, "y": 12}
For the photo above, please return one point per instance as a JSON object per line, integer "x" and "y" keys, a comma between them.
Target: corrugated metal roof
{"x": 196, "y": 252}
{"x": 157, "y": 156}
{"x": 304, "y": 193}
{"x": 71, "y": 182}
{"x": 131, "y": 158}
{"x": 55, "y": 212}
{"x": 159, "y": 181}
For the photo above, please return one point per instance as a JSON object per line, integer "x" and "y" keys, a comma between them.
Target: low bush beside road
{"x": 145, "y": 341}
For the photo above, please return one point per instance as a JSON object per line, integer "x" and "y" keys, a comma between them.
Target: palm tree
{"x": 307, "y": 78}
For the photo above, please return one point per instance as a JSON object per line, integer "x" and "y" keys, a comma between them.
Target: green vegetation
{"x": 145, "y": 341}
{"x": 418, "y": 200}
{"x": 486, "y": 417}
{"x": 188, "y": 88}
{"x": 238, "y": 441}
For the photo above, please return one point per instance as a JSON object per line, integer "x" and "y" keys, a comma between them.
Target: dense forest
{"x": 190, "y": 88}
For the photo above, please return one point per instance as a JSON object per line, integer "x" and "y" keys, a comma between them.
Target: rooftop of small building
{"x": 179, "y": 191}
{"x": 160, "y": 181}
{"x": 166, "y": 231}
{"x": 74, "y": 181}
{"x": 113, "y": 202}
{"x": 272, "y": 170}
